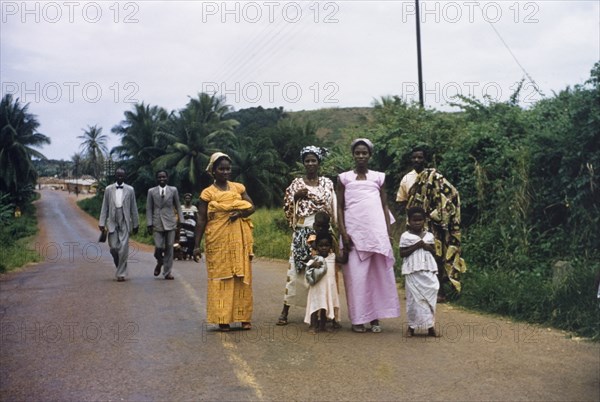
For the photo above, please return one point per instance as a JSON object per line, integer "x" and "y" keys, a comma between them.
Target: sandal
{"x": 282, "y": 320}
{"x": 246, "y": 326}
{"x": 224, "y": 327}
{"x": 358, "y": 328}
{"x": 375, "y": 327}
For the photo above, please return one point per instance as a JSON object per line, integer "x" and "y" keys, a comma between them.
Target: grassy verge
{"x": 568, "y": 302}
{"x": 271, "y": 234}
{"x": 16, "y": 238}
{"x": 18, "y": 254}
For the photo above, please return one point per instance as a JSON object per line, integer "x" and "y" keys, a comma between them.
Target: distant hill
{"x": 336, "y": 124}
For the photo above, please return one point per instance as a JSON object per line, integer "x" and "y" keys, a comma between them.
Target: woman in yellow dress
{"x": 223, "y": 216}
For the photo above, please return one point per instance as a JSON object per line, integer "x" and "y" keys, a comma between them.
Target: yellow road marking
{"x": 241, "y": 368}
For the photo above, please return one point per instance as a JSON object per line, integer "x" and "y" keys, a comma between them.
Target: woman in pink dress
{"x": 364, "y": 223}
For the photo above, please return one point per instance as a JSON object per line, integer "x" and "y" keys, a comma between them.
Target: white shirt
{"x": 405, "y": 184}
{"x": 119, "y": 196}
{"x": 419, "y": 260}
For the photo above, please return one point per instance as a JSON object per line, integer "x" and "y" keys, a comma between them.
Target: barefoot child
{"x": 419, "y": 269}
{"x": 323, "y": 300}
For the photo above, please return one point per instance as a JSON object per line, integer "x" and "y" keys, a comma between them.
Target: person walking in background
{"x": 189, "y": 210}
{"x": 223, "y": 215}
{"x": 304, "y": 197}
{"x": 163, "y": 212}
{"x": 188, "y": 227}
{"x": 417, "y": 249}
{"x": 364, "y": 222}
{"x": 119, "y": 216}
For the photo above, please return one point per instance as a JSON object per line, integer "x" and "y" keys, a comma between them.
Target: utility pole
{"x": 420, "y": 67}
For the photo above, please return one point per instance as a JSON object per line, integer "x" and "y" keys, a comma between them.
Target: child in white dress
{"x": 417, "y": 249}
{"x": 323, "y": 301}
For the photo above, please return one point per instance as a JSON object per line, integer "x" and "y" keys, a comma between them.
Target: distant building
{"x": 84, "y": 185}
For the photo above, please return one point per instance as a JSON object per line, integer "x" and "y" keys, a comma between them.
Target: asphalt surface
{"x": 70, "y": 332}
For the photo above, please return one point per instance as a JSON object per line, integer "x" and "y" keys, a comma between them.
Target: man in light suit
{"x": 119, "y": 215}
{"x": 162, "y": 221}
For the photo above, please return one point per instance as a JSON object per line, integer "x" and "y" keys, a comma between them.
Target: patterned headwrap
{"x": 213, "y": 159}
{"x": 319, "y": 152}
{"x": 365, "y": 141}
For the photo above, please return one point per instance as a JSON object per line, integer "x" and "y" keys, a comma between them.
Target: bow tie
{"x": 119, "y": 186}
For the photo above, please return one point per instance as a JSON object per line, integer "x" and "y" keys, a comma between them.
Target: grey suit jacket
{"x": 160, "y": 211}
{"x": 109, "y": 207}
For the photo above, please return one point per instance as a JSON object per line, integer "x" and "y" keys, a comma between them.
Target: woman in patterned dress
{"x": 304, "y": 197}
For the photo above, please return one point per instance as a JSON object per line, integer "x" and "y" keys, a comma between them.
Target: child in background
{"x": 322, "y": 223}
{"x": 323, "y": 301}
{"x": 417, "y": 249}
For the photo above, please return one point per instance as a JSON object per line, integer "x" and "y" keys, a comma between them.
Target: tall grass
{"x": 569, "y": 303}
{"x": 16, "y": 236}
{"x": 18, "y": 254}
{"x": 272, "y": 236}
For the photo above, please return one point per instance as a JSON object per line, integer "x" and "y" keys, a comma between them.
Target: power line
{"x": 535, "y": 85}
{"x": 259, "y": 53}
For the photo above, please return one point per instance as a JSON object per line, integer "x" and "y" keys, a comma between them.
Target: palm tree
{"x": 18, "y": 134}
{"x": 290, "y": 136}
{"x": 140, "y": 142}
{"x": 197, "y": 131}
{"x": 258, "y": 166}
{"x": 94, "y": 147}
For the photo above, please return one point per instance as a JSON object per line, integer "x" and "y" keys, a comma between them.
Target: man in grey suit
{"x": 162, "y": 222}
{"x": 119, "y": 215}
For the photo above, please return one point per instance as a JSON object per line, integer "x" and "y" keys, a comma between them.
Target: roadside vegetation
{"x": 19, "y": 139}
{"x": 16, "y": 234}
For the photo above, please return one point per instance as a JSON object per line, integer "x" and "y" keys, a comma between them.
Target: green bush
{"x": 91, "y": 205}
{"x": 15, "y": 236}
{"x": 271, "y": 235}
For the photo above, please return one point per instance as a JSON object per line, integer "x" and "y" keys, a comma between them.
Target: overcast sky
{"x": 83, "y": 63}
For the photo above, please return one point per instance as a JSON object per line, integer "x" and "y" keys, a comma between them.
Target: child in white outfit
{"x": 323, "y": 300}
{"x": 417, "y": 249}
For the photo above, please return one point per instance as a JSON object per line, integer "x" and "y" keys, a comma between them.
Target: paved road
{"x": 69, "y": 331}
